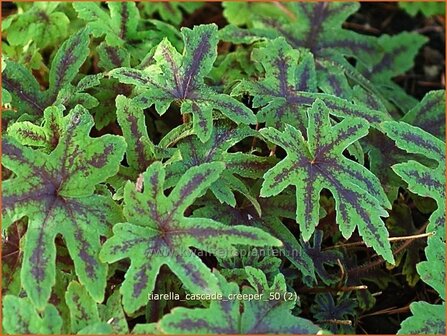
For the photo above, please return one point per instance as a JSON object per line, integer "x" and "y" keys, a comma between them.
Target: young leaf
{"x": 319, "y": 163}
{"x": 224, "y": 135}
{"x": 57, "y": 194}
{"x": 25, "y": 90}
{"x": 257, "y": 316}
{"x": 43, "y": 24}
{"x": 157, "y": 233}
{"x": 422, "y": 180}
{"x": 169, "y": 11}
{"x": 20, "y": 317}
{"x": 180, "y": 78}
{"x": 289, "y": 87}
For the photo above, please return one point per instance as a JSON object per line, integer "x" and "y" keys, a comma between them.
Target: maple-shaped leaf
{"x": 399, "y": 52}
{"x": 289, "y": 88}
{"x": 317, "y": 26}
{"x": 121, "y": 26}
{"x": 428, "y": 182}
{"x": 422, "y": 180}
{"x": 20, "y": 317}
{"x": 224, "y": 135}
{"x": 43, "y": 23}
{"x": 27, "y": 98}
{"x": 157, "y": 233}
{"x": 271, "y": 314}
{"x": 56, "y": 192}
{"x": 180, "y": 78}
{"x": 318, "y": 164}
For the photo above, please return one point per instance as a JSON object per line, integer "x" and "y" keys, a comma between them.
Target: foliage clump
{"x": 267, "y": 175}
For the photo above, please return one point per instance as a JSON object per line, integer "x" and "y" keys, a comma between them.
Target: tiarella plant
{"x": 266, "y": 173}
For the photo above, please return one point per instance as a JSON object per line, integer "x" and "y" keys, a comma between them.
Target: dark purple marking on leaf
{"x": 82, "y": 314}
{"x": 66, "y": 61}
{"x": 38, "y": 260}
{"x": 190, "y": 187}
{"x": 188, "y": 324}
{"x": 426, "y": 179}
{"x": 141, "y": 280}
{"x": 90, "y": 262}
{"x": 142, "y": 161}
{"x": 316, "y": 19}
{"x": 177, "y": 92}
{"x": 113, "y": 56}
{"x": 193, "y": 68}
{"x": 17, "y": 89}
{"x": 387, "y": 60}
{"x": 191, "y": 271}
{"x": 124, "y": 19}
{"x": 430, "y": 146}
{"x": 350, "y": 44}
{"x": 100, "y": 160}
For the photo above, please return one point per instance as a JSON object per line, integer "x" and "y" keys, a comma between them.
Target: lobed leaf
{"x": 318, "y": 163}
{"x": 180, "y": 78}
{"x": 56, "y": 192}
{"x": 157, "y": 233}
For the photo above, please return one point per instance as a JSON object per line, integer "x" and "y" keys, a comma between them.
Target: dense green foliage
{"x": 254, "y": 173}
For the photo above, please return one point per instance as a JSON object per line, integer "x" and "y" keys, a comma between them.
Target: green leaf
{"x": 422, "y": 180}
{"x": 140, "y": 152}
{"x": 47, "y": 135}
{"x": 83, "y": 310}
{"x": 429, "y": 114}
{"x": 273, "y": 211}
{"x": 20, "y": 317}
{"x": 157, "y": 233}
{"x": 121, "y": 26}
{"x": 25, "y": 90}
{"x": 169, "y": 11}
{"x": 56, "y": 192}
{"x": 224, "y": 135}
{"x": 317, "y": 26}
{"x": 399, "y": 52}
{"x": 427, "y": 319}
{"x": 317, "y": 164}
{"x": 432, "y": 271}
{"x": 42, "y": 23}
{"x": 256, "y": 316}
{"x": 289, "y": 88}
{"x": 180, "y": 78}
